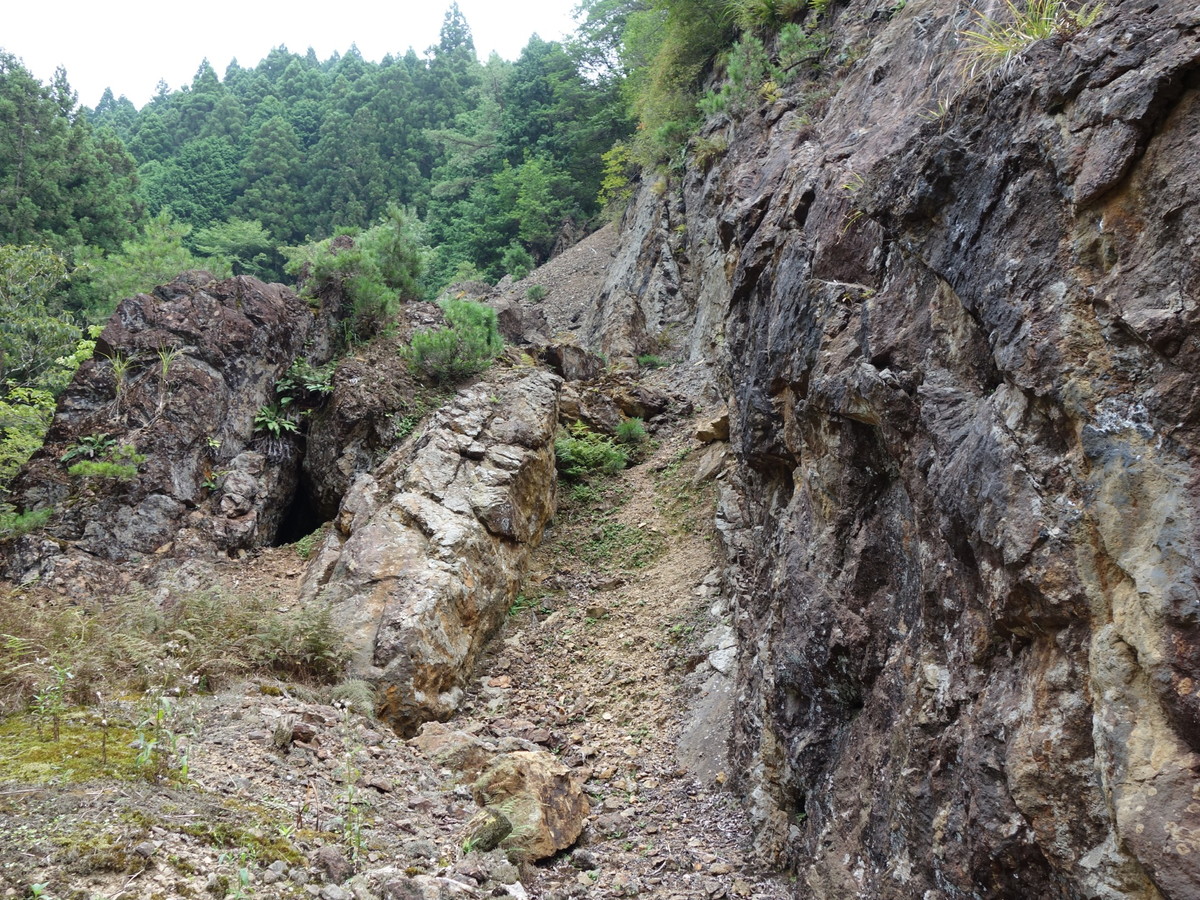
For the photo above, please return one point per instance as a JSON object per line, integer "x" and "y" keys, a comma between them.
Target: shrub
{"x": 91, "y": 469}
{"x": 377, "y": 269}
{"x": 273, "y": 428}
{"x": 650, "y": 361}
{"x": 631, "y": 431}
{"x": 517, "y": 261}
{"x": 356, "y": 695}
{"x": 303, "y": 377}
{"x": 273, "y": 419}
{"x": 581, "y": 453}
{"x": 468, "y": 346}
{"x": 535, "y": 293}
{"x": 668, "y": 48}
{"x": 15, "y": 524}
{"x": 616, "y": 185}
{"x": 750, "y": 14}
{"x": 119, "y": 462}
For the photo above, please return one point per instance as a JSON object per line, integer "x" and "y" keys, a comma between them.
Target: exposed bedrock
{"x": 961, "y": 350}
{"x": 179, "y": 376}
{"x": 427, "y": 551}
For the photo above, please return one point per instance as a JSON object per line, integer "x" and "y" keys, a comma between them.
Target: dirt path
{"x": 610, "y": 623}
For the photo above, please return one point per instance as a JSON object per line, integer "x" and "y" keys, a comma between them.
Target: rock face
{"x": 427, "y": 551}
{"x": 179, "y": 375}
{"x": 961, "y": 369}
{"x": 351, "y": 430}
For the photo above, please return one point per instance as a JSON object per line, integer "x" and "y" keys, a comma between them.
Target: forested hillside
{"x": 480, "y": 169}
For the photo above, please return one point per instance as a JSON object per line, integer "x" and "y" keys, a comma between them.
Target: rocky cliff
{"x": 163, "y": 421}
{"x": 955, "y": 321}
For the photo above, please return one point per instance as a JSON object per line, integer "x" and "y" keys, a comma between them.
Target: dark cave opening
{"x": 301, "y": 518}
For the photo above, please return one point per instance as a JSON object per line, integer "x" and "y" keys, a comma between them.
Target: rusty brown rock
{"x": 713, "y": 429}
{"x": 542, "y": 799}
{"x": 464, "y": 754}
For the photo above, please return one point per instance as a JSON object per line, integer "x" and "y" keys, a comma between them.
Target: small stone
{"x": 145, "y": 849}
{"x": 473, "y": 867}
{"x": 584, "y": 860}
{"x": 332, "y": 861}
{"x": 500, "y": 681}
{"x": 380, "y": 784}
{"x": 333, "y": 892}
{"x": 720, "y": 869}
{"x": 714, "y": 889}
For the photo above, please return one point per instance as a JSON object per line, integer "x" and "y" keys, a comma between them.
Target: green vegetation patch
{"x": 468, "y": 346}
{"x": 582, "y": 453}
{"x": 617, "y": 544}
{"x": 85, "y": 750}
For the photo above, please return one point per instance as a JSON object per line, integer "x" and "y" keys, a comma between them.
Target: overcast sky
{"x": 129, "y": 45}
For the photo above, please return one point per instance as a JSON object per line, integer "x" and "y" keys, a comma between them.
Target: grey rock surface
{"x": 427, "y": 552}
{"x": 962, "y": 518}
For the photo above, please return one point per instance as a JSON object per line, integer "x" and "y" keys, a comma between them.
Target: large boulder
{"x": 540, "y": 800}
{"x": 178, "y": 376}
{"x": 428, "y": 551}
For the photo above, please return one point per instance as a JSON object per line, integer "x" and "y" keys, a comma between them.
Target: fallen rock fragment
{"x": 542, "y": 799}
{"x": 714, "y": 429}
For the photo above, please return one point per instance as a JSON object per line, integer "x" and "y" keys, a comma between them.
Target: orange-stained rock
{"x": 542, "y": 799}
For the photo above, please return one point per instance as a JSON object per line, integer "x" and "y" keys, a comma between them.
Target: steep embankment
{"x": 956, "y": 322}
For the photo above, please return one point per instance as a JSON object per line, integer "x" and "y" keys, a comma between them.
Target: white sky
{"x": 129, "y": 45}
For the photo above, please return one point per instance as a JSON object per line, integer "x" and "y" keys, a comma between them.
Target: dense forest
{"x": 450, "y": 168}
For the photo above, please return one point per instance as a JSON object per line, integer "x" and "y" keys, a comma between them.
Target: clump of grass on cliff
{"x": 133, "y": 644}
{"x": 995, "y": 43}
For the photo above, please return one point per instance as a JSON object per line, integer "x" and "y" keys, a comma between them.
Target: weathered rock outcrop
{"x": 353, "y": 428}
{"x": 961, "y": 364}
{"x": 179, "y": 376}
{"x": 427, "y": 551}
{"x": 541, "y": 800}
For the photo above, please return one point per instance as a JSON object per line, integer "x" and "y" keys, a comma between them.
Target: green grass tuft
{"x": 995, "y": 43}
